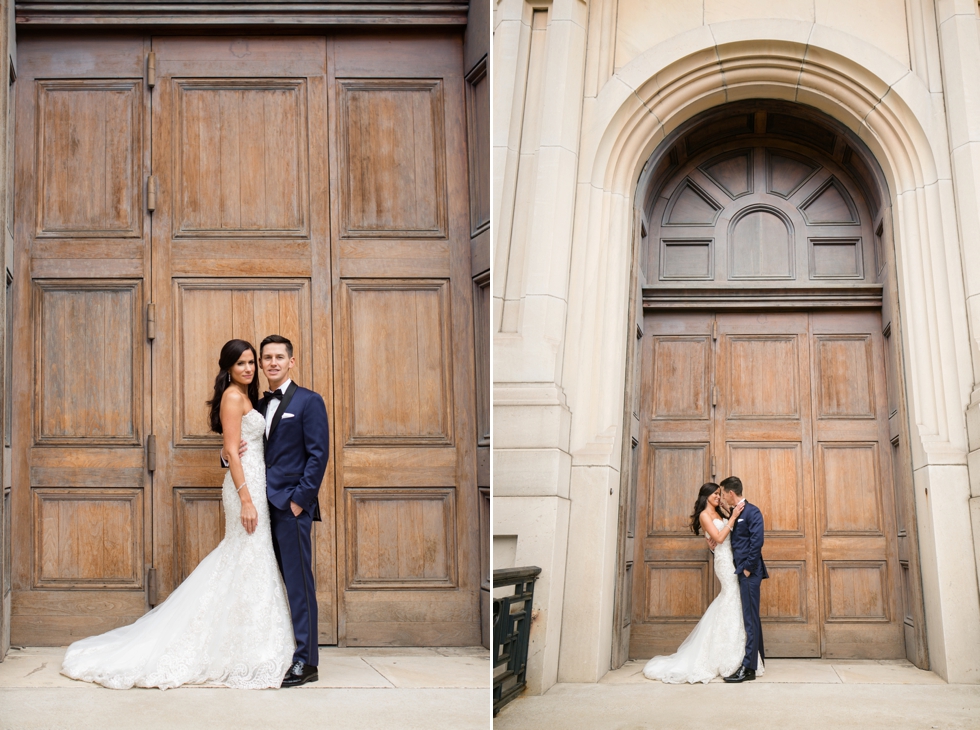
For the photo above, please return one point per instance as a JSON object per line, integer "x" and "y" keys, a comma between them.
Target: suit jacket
{"x": 747, "y": 539}
{"x": 297, "y": 449}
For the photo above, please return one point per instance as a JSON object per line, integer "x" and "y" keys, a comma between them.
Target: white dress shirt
{"x": 270, "y": 411}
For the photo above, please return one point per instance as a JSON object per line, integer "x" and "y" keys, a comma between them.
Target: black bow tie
{"x": 274, "y": 394}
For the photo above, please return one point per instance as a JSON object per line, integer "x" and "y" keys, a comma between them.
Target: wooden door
{"x": 795, "y": 405}
{"x": 239, "y": 250}
{"x": 81, "y": 527}
{"x": 860, "y": 573}
{"x": 309, "y": 186}
{"x": 407, "y": 500}
{"x": 763, "y": 434}
{"x": 626, "y": 548}
{"x": 673, "y": 579}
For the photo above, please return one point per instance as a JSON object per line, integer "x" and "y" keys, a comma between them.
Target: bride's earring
{"x": 229, "y": 378}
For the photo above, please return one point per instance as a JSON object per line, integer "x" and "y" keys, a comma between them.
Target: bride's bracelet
{"x": 240, "y": 486}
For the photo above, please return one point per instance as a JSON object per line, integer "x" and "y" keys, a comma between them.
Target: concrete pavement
{"x": 358, "y": 688}
{"x": 795, "y": 693}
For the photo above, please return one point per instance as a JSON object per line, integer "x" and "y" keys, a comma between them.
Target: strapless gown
{"x": 716, "y": 646}
{"x": 227, "y": 624}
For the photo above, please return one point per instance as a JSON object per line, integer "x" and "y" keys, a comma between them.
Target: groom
{"x": 746, "y": 541}
{"x": 296, "y": 452}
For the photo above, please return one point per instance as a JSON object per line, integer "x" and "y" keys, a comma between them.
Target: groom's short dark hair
{"x": 276, "y": 339}
{"x": 732, "y": 484}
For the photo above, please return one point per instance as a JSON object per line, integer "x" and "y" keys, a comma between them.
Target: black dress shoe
{"x": 743, "y": 674}
{"x": 298, "y": 674}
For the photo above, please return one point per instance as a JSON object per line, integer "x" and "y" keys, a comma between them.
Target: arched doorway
{"x": 767, "y": 346}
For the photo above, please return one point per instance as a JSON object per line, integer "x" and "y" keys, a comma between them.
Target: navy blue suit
{"x": 296, "y": 454}
{"x": 747, "y": 539}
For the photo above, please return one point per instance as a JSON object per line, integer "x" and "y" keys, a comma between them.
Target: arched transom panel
{"x": 761, "y": 208}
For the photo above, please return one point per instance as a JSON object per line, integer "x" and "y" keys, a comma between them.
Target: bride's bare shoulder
{"x": 233, "y": 400}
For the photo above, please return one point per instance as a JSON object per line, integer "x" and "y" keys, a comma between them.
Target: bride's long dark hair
{"x": 707, "y": 489}
{"x": 230, "y": 353}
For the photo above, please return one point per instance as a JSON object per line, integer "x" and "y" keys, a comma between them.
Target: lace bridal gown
{"x": 716, "y": 646}
{"x": 228, "y": 623}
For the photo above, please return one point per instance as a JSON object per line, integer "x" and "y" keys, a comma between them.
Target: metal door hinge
{"x": 713, "y": 470}
{"x": 714, "y": 395}
{"x": 151, "y": 452}
{"x": 151, "y": 69}
{"x": 151, "y": 321}
{"x": 151, "y": 193}
{"x": 714, "y": 330}
{"x": 151, "y": 586}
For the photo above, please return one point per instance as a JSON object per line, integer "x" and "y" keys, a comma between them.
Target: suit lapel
{"x": 287, "y": 397}
{"x": 737, "y": 521}
{"x": 263, "y": 407}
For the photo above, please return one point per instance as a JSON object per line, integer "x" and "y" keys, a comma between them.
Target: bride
{"x": 228, "y": 623}
{"x": 716, "y": 646}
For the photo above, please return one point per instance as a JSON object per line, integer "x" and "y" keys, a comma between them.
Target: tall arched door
{"x": 764, "y": 352}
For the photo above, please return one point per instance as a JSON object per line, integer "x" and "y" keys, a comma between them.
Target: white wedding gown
{"x": 716, "y": 646}
{"x": 228, "y": 623}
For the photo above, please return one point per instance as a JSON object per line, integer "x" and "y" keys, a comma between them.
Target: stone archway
{"x": 890, "y": 110}
{"x": 766, "y": 350}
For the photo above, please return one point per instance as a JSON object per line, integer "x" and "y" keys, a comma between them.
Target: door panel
{"x": 775, "y": 471}
{"x": 89, "y": 130}
{"x": 80, "y": 489}
{"x": 210, "y": 311}
{"x": 796, "y": 406}
{"x": 763, "y": 426}
{"x": 238, "y": 129}
{"x": 669, "y": 466}
{"x": 393, "y": 158}
{"x": 858, "y": 542}
{"x": 675, "y": 457}
{"x": 199, "y": 523}
{"x": 397, "y": 362}
{"x": 406, "y": 470}
{"x": 243, "y": 164}
{"x": 87, "y": 362}
{"x": 88, "y": 538}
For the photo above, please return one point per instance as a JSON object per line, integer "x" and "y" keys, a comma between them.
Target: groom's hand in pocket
{"x": 295, "y": 508}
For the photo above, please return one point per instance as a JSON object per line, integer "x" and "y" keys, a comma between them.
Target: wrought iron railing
{"x": 511, "y": 633}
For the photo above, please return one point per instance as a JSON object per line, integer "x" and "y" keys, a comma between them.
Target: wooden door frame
{"x": 883, "y": 297}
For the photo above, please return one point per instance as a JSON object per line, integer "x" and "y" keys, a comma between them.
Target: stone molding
{"x": 56, "y": 13}
{"x": 880, "y": 100}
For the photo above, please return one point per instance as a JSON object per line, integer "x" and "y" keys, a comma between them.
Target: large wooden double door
{"x": 173, "y": 193}
{"x": 794, "y": 404}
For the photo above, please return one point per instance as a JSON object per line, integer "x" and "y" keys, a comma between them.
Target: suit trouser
{"x": 749, "y": 590}
{"x": 294, "y": 553}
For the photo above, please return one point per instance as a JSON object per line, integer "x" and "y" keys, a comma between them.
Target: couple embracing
{"x": 246, "y": 617}
{"x": 727, "y": 641}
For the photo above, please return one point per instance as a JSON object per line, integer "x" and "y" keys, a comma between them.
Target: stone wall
{"x": 583, "y": 95}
